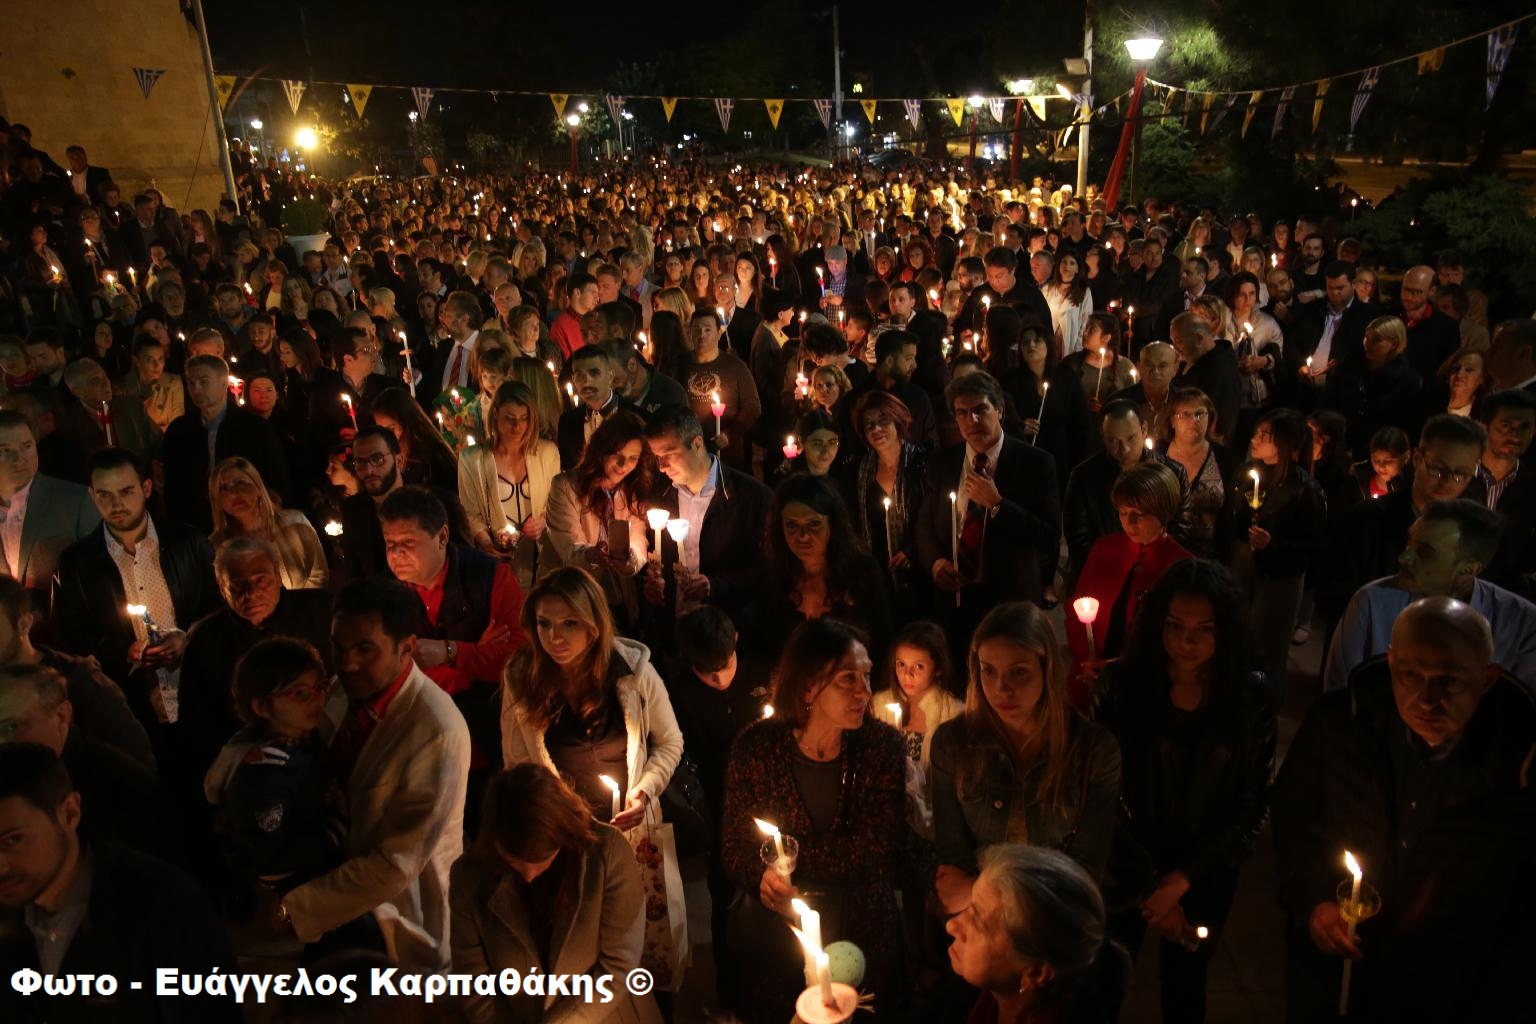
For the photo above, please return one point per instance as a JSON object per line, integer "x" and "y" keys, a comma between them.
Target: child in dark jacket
{"x": 272, "y": 781}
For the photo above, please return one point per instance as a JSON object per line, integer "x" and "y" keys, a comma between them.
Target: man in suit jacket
{"x": 211, "y": 432}
{"x": 1432, "y": 336}
{"x": 1326, "y": 333}
{"x": 1006, "y": 500}
{"x": 592, "y": 375}
{"x": 85, "y": 181}
{"x": 1005, "y": 286}
{"x": 725, "y": 509}
{"x": 95, "y": 418}
{"x": 41, "y": 515}
{"x": 401, "y": 749}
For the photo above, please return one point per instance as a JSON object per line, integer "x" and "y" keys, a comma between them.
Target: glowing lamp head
{"x": 305, "y": 138}
{"x": 1143, "y": 49}
{"x": 1086, "y": 609}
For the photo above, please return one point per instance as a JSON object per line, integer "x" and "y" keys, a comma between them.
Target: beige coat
{"x": 655, "y": 743}
{"x": 480, "y": 494}
{"x": 407, "y": 822}
{"x": 298, "y": 546}
{"x": 600, "y": 936}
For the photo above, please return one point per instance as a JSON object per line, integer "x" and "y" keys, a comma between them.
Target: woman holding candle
{"x": 1032, "y": 938}
{"x": 1122, "y": 566}
{"x": 612, "y": 482}
{"x": 815, "y": 567}
{"x": 826, "y": 773}
{"x": 819, "y": 444}
{"x": 883, "y": 489}
{"x": 530, "y": 339}
{"x": 586, "y": 702}
{"x": 1196, "y": 728}
{"x": 1188, "y": 432}
{"x": 545, "y": 889}
{"x": 243, "y": 508}
{"x": 749, "y": 282}
{"x": 1271, "y": 529}
{"x": 505, "y": 483}
{"x": 1099, "y": 368}
{"x": 1021, "y": 764}
{"x": 428, "y": 459}
{"x": 1046, "y": 393}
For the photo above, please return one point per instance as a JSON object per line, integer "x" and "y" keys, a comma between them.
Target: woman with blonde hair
{"x": 1021, "y": 764}
{"x": 587, "y": 703}
{"x": 504, "y": 484}
{"x": 673, "y": 300}
{"x": 539, "y": 379}
{"x": 242, "y": 507}
{"x": 1381, "y": 391}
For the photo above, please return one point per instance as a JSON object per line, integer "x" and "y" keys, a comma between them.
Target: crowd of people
{"x": 433, "y": 591}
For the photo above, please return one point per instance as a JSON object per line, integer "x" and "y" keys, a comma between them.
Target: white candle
{"x": 771, "y": 830}
{"x": 718, "y": 408}
{"x": 570, "y": 391}
{"x": 1045, "y": 387}
{"x": 824, "y": 978}
{"x": 890, "y": 548}
{"x": 1255, "y": 475}
{"x": 1103, "y": 352}
{"x": 895, "y": 710}
{"x": 657, "y": 518}
{"x": 810, "y": 928}
{"x": 410, "y": 372}
{"x": 613, "y": 788}
{"x": 1087, "y": 610}
{"x": 1354, "y": 910}
{"x": 106, "y": 423}
{"x": 954, "y": 529}
{"x": 346, "y": 400}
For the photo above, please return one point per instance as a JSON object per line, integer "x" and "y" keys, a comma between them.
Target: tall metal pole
{"x": 213, "y": 98}
{"x": 1086, "y": 111}
{"x": 837, "y": 88}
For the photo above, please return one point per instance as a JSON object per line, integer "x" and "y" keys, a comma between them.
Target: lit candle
{"x": 657, "y": 518}
{"x": 810, "y": 929}
{"x": 550, "y": 366}
{"x": 247, "y": 284}
{"x": 1103, "y": 354}
{"x": 767, "y": 710}
{"x": 469, "y": 440}
{"x": 933, "y": 296}
{"x": 821, "y": 283}
{"x": 333, "y": 528}
{"x": 890, "y": 548}
{"x": 570, "y": 392}
{"x": 1274, "y": 259}
{"x": 771, "y": 830}
{"x": 1135, "y": 376}
{"x": 824, "y": 978}
{"x": 1351, "y": 917}
{"x": 1254, "y": 501}
{"x": 346, "y": 400}
{"x": 954, "y": 536}
{"x": 133, "y": 277}
{"x": 802, "y": 386}
{"x": 791, "y": 449}
{"x": 718, "y": 408}
{"x": 1087, "y": 610}
{"x": 1045, "y": 388}
{"x": 895, "y": 710}
{"x": 441, "y": 424}
{"x": 410, "y": 372}
{"x": 613, "y": 788}
{"x": 803, "y": 316}
{"x": 508, "y": 535}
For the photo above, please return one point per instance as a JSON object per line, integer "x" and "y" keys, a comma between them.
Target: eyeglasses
{"x": 1445, "y": 474}
{"x": 1191, "y": 414}
{"x": 373, "y": 461}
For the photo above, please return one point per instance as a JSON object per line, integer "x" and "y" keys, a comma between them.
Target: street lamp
{"x": 573, "y": 121}
{"x": 306, "y": 139}
{"x": 1141, "y": 51}
{"x": 255, "y": 124}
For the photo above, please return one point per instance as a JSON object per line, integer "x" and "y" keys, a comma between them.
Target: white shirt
{"x": 693, "y": 508}
{"x": 963, "y": 503}
{"x": 15, "y": 515}
{"x": 462, "y": 351}
{"x": 1331, "y": 321}
{"x": 144, "y": 583}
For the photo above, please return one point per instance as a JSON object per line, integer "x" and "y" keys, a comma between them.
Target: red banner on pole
{"x": 1123, "y": 151}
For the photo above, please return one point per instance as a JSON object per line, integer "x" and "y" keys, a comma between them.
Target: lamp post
{"x": 1141, "y": 51}
{"x": 1085, "y": 101}
{"x": 573, "y": 121}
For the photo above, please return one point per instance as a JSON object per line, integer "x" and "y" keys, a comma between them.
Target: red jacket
{"x": 1104, "y": 574}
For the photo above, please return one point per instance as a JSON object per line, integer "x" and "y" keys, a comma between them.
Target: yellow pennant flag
{"x": 1253, "y": 108}
{"x": 957, "y": 110}
{"x": 559, "y": 99}
{"x": 775, "y": 109}
{"x": 1205, "y": 110}
{"x": 1317, "y": 104}
{"x": 1037, "y": 107}
{"x": 668, "y": 104}
{"x": 869, "y": 109}
{"x": 225, "y": 86}
{"x": 1431, "y": 60}
{"x": 359, "y": 94}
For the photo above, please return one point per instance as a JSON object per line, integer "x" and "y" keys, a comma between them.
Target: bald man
{"x": 1432, "y": 336}
{"x": 1420, "y": 770}
{"x": 1156, "y": 366}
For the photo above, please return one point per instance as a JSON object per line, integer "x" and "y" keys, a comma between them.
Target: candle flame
{"x": 657, "y": 517}
{"x": 767, "y": 828}
{"x": 1353, "y": 865}
{"x": 1254, "y": 475}
{"x": 887, "y": 503}
{"x": 800, "y": 907}
{"x": 613, "y": 787}
{"x": 1086, "y": 609}
{"x": 333, "y": 529}
{"x": 894, "y": 709}
{"x": 767, "y": 710}
{"x": 137, "y": 609}
{"x": 1202, "y": 933}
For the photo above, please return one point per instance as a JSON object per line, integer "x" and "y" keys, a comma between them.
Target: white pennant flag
{"x": 423, "y": 97}
{"x": 724, "y": 108}
{"x": 914, "y": 111}
{"x": 995, "y": 107}
{"x": 1500, "y": 43}
{"x": 147, "y": 77}
{"x": 1363, "y": 95}
{"x": 295, "y": 92}
{"x": 1285, "y": 101}
{"x": 615, "y": 107}
{"x": 824, "y": 111}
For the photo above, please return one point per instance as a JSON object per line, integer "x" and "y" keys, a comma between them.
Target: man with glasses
{"x": 1367, "y": 539}
{"x": 998, "y": 538}
{"x": 379, "y": 466}
{"x": 1419, "y": 770}
{"x": 1448, "y": 548}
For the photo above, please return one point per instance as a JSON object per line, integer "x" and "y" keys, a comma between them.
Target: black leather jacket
{"x": 1195, "y": 793}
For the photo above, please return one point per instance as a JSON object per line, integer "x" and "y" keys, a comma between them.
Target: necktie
{"x": 973, "y": 530}
{"x": 453, "y": 366}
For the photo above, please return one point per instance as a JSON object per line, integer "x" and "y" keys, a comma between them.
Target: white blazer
{"x": 655, "y": 743}
{"x": 406, "y": 797}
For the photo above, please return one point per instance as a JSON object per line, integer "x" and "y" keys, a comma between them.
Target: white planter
{"x": 307, "y": 243}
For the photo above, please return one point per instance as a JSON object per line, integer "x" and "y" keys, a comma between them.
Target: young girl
{"x": 918, "y": 698}
{"x": 495, "y": 364}
{"x": 1382, "y": 473}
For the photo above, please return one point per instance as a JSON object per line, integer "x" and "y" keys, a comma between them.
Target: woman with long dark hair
{"x": 782, "y": 276}
{"x": 428, "y": 459}
{"x": 1272, "y": 528}
{"x": 1045, "y": 393}
{"x": 545, "y": 886}
{"x": 1021, "y": 764}
{"x": 815, "y": 567}
{"x": 884, "y": 489}
{"x": 1196, "y": 728}
{"x": 1070, "y": 301}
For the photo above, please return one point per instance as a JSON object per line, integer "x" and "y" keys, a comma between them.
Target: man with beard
{"x": 592, "y": 375}
{"x": 895, "y": 362}
{"x": 379, "y": 466}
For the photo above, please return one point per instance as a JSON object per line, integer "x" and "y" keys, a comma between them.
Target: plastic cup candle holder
{"x": 779, "y": 851}
{"x": 657, "y": 519}
{"x": 1087, "y": 610}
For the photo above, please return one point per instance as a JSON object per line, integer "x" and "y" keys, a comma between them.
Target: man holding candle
{"x": 715, "y": 375}
{"x": 1419, "y": 769}
{"x": 592, "y": 378}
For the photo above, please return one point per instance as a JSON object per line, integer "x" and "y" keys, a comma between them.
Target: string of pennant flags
{"x": 1214, "y": 105}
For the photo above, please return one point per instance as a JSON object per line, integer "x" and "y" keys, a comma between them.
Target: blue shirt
{"x": 693, "y": 507}
{"x": 1365, "y": 631}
